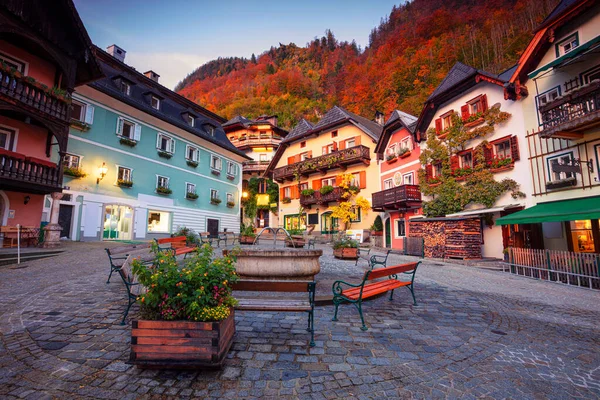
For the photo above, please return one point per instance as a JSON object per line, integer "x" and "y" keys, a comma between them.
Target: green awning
{"x": 556, "y": 211}
{"x": 584, "y": 48}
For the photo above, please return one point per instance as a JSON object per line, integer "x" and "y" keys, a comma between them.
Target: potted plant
{"x": 377, "y": 227}
{"x": 215, "y": 201}
{"x": 344, "y": 247}
{"x": 124, "y": 183}
{"x": 164, "y": 154}
{"x": 247, "y": 234}
{"x": 192, "y": 164}
{"x": 307, "y": 192}
{"x": 501, "y": 164}
{"x": 163, "y": 190}
{"x": 184, "y": 307}
{"x": 391, "y": 158}
{"x": 127, "y": 142}
{"x": 74, "y": 172}
{"x": 191, "y": 196}
{"x": 326, "y": 189}
{"x": 403, "y": 152}
{"x": 286, "y": 200}
{"x": 230, "y": 204}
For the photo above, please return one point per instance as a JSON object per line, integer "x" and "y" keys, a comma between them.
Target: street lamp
{"x": 102, "y": 170}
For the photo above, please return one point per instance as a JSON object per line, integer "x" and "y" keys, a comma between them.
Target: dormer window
{"x": 125, "y": 88}
{"x": 155, "y": 102}
{"x": 209, "y": 129}
{"x": 567, "y": 45}
{"x": 190, "y": 119}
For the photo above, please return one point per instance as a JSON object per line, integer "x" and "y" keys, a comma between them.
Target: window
{"x": 304, "y": 156}
{"x": 82, "y": 112}
{"x": 328, "y": 182}
{"x": 350, "y": 143}
{"x": 303, "y": 186}
{"x": 190, "y": 188}
{"x": 447, "y": 119}
{"x": 15, "y": 63}
{"x": 302, "y": 145}
{"x": 165, "y": 143}
{"x": 231, "y": 168}
{"x": 7, "y": 138}
{"x": 215, "y": 163}
{"x": 189, "y": 118}
{"x": 191, "y": 153}
{"x": 400, "y": 228}
{"x": 162, "y": 182}
{"x": 388, "y": 184}
{"x": 466, "y": 160}
{"x": 128, "y": 129}
{"x": 71, "y": 161}
{"x": 406, "y": 143}
{"x": 124, "y": 174}
{"x": 356, "y": 211}
{"x": 408, "y": 179}
{"x": 214, "y": 194}
{"x": 287, "y": 192}
{"x": 563, "y": 159}
{"x": 582, "y": 236}
{"x": 502, "y": 149}
{"x": 392, "y": 149}
{"x": 209, "y": 129}
{"x": 355, "y": 180}
{"x": 567, "y": 45}
{"x": 125, "y": 88}
{"x": 437, "y": 169}
{"x": 158, "y": 221}
{"x": 262, "y": 157}
{"x": 328, "y": 149}
{"x": 155, "y": 102}
{"x": 334, "y": 134}
{"x": 229, "y": 198}
{"x": 548, "y": 96}
{"x": 590, "y": 75}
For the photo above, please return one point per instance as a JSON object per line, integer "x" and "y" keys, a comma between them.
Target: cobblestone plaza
{"x": 475, "y": 333}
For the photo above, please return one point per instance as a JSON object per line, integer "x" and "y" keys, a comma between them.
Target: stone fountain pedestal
{"x": 278, "y": 264}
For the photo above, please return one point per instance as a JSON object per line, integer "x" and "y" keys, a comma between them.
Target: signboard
{"x": 356, "y": 234}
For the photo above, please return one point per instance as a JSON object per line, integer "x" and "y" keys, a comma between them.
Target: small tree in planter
{"x": 344, "y": 247}
{"x": 345, "y": 211}
{"x": 247, "y": 234}
{"x": 377, "y": 227}
{"x": 195, "y": 299}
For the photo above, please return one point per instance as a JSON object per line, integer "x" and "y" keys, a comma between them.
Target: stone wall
{"x": 448, "y": 237}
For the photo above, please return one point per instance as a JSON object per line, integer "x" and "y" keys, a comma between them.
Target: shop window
{"x": 400, "y": 228}
{"x": 159, "y": 222}
{"x": 582, "y": 236}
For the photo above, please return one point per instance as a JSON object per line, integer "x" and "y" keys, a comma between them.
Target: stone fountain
{"x": 277, "y": 264}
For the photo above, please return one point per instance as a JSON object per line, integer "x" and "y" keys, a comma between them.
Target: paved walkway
{"x": 475, "y": 333}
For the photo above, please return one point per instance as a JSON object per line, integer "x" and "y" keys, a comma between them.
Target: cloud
{"x": 172, "y": 67}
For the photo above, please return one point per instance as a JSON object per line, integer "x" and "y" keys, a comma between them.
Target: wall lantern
{"x": 102, "y": 170}
{"x": 26, "y": 199}
{"x": 244, "y": 195}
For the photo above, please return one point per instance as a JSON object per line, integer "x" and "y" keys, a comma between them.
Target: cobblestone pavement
{"x": 475, "y": 333}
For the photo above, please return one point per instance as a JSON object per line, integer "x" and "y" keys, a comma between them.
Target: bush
{"x": 307, "y": 192}
{"x": 377, "y": 224}
{"x": 190, "y": 235}
{"x": 326, "y": 189}
{"x": 342, "y": 241}
{"x": 247, "y": 230}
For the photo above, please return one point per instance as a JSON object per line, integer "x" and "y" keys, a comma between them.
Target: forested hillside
{"x": 409, "y": 53}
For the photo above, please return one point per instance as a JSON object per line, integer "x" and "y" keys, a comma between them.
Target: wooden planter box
{"x": 393, "y": 160}
{"x": 246, "y": 240}
{"x": 350, "y": 253}
{"x": 297, "y": 243}
{"x": 503, "y": 168}
{"x": 404, "y": 155}
{"x": 181, "y": 344}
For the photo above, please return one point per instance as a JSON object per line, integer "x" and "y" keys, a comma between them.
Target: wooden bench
{"x": 134, "y": 288}
{"x": 264, "y": 303}
{"x": 205, "y": 238}
{"x": 297, "y": 241}
{"x": 10, "y": 234}
{"x": 178, "y": 245}
{"x": 355, "y": 294}
{"x": 118, "y": 255}
{"x": 226, "y": 236}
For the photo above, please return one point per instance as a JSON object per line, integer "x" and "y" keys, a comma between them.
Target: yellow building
{"x": 313, "y": 156}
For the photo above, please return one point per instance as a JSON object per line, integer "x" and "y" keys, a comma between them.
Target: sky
{"x": 175, "y": 37}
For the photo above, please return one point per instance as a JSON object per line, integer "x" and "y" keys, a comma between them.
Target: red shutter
{"x": 454, "y": 165}
{"x": 298, "y": 157}
{"x": 514, "y": 148}
{"x": 342, "y": 144}
{"x": 309, "y": 154}
{"x": 291, "y": 160}
{"x": 362, "y": 176}
{"x": 357, "y": 140}
{"x": 428, "y": 172}
{"x": 488, "y": 154}
{"x": 484, "y": 104}
{"x": 281, "y": 193}
{"x": 464, "y": 112}
{"x": 317, "y": 184}
{"x": 335, "y": 146}
{"x": 338, "y": 180}
{"x": 438, "y": 125}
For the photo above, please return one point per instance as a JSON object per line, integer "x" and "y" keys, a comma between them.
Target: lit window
{"x": 124, "y": 174}
{"x": 215, "y": 163}
{"x": 155, "y": 102}
{"x": 466, "y": 160}
{"x": 287, "y": 192}
{"x": 159, "y": 221}
{"x": 71, "y": 161}
{"x": 191, "y": 153}
{"x": 388, "y": 184}
{"x": 13, "y": 62}
{"x": 162, "y": 182}
{"x": 503, "y": 149}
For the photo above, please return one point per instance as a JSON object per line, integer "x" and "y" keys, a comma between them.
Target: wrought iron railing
{"x": 253, "y": 166}
{"x": 318, "y": 198}
{"x": 578, "y": 107}
{"x": 29, "y": 94}
{"x": 336, "y": 159}
{"x": 23, "y": 169}
{"x": 396, "y": 196}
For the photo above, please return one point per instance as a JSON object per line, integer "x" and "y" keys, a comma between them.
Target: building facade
{"x": 312, "y": 157}
{"x": 399, "y": 198}
{"x": 40, "y": 64}
{"x": 561, "y": 70}
{"x": 143, "y": 161}
{"x": 259, "y": 139}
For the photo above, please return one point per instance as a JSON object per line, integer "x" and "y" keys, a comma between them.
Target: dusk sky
{"x": 174, "y": 37}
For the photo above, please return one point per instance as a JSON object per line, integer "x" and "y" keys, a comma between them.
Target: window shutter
{"x": 454, "y": 165}
{"x": 335, "y": 146}
{"x": 342, "y": 145}
{"x": 138, "y": 132}
{"x": 158, "y": 137}
{"x": 317, "y": 184}
{"x": 291, "y": 160}
{"x": 338, "y": 180}
{"x": 362, "y": 176}
{"x": 514, "y": 148}
{"x": 357, "y": 140}
{"x": 281, "y": 193}
{"x": 484, "y": 103}
{"x": 428, "y": 172}
{"x": 172, "y": 142}
{"x": 309, "y": 154}
{"x": 488, "y": 154}
{"x": 89, "y": 114}
{"x": 119, "y": 126}
{"x": 464, "y": 112}
{"x": 196, "y": 155}
{"x": 324, "y": 150}
{"x": 297, "y": 158}
{"x": 438, "y": 125}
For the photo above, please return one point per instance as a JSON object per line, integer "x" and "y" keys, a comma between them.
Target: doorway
{"x": 328, "y": 223}
{"x": 212, "y": 227}
{"x": 65, "y": 217}
{"x": 118, "y": 222}
{"x": 388, "y": 233}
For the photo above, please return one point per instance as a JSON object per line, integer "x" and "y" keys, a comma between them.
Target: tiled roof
{"x": 558, "y": 10}
{"x": 300, "y": 129}
{"x": 410, "y": 121}
{"x": 338, "y": 115}
{"x": 458, "y": 73}
{"x": 505, "y": 75}
{"x": 237, "y": 120}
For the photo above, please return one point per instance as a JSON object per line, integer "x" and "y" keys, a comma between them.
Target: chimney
{"x": 152, "y": 75}
{"x": 379, "y": 118}
{"x": 116, "y": 52}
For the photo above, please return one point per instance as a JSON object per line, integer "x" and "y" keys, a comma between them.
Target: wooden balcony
{"x": 29, "y": 174}
{"x": 338, "y": 159}
{"x": 403, "y": 197}
{"x": 254, "y": 166}
{"x": 256, "y": 142}
{"x": 318, "y": 198}
{"x": 30, "y": 95}
{"x": 568, "y": 116}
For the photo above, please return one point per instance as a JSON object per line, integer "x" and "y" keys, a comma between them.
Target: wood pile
{"x": 448, "y": 237}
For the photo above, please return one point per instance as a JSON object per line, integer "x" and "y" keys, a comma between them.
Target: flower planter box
{"x": 165, "y": 154}
{"x": 127, "y": 142}
{"x": 393, "y": 160}
{"x": 230, "y": 177}
{"x": 192, "y": 164}
{"x": 80, "y": 126}
{"x": 404, "y": 155}
{"x": 376, "y": 233}
{"x": 247, "y": 240}
{"x": 474, "y": 123}
{"x": 215, "y": 172}
{"x": 503, "y": 168}
{"x": 563, "y": 183}
{"x": 346, "y": 254}
{"x": 181, "y": 344}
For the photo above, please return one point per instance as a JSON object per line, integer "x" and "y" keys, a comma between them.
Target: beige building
{"x": 312, "y": 157}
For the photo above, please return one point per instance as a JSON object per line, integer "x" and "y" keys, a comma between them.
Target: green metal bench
{"x": 120, "y": 254}
{"x": 356, "y": 293}
{"x": 379, "y": 260}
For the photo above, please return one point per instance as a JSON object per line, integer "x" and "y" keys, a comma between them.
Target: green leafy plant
{"x": 190, "y": 235}
{"x": 474, "y": 117}
{"x": 215, "y": 201}
{"x": 200, "y": 291}
{"x": 326, "y": 189}
{"x": 127, "y": 142}
{"x": 307, "y": 192}
{"x": 124, "y": 183}
{"x": 341, "y": 241}
{"x": 391, "y": 157}
{"x": 191, "y": 196}
{"x": 192, "y": 164}
{"x": 500, "y": 162}
{"x": 377, "y": 224}
{"x": 74, "y": 172}
{"x": 286, "y": 200}
{"x": 163, "y": 190}
{"x": 247, "y": 230}
{"x": 165, "y": 154}
{"x": 230, "y": 204}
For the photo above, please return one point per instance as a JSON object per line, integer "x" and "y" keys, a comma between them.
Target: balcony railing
{"x": 256, "y": 142}
{"x": 254, "y": 166}
{"x": 337, "y": 159}
{"x": 36, "y": 175}
{"x": 318, "y": 198}
{"x": 397, "y": 198}
{"x": 29, "y": 94}
{"x": 572, "y": 112}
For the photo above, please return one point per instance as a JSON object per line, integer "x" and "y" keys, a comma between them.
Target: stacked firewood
{"x": 449, "y": 237}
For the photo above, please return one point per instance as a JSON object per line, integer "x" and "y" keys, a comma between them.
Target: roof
{"x": 237, "y": 120}
{"x": 300, "y": 129}
{"x": 558, "y": 10}
{"x": 337, "y": 115}
{"x": 241, "y": 122}
{"x": 409, "y": 121}
{"x": 457, "y": 74}
{"x": 555, "y": 211}
{"x": 172, "y": 105}
{"x": 398, "y": 119}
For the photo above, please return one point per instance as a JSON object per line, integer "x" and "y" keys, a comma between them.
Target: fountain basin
{"x": 278, "y": 264}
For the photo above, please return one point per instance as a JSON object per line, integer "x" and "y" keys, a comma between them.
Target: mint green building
{"x": 143, "y": 161}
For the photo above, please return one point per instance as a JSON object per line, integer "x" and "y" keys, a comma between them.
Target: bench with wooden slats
{"x": 177, "y": 244}
{"x": 344, "y": 292}
{"x": 278, "y": 303}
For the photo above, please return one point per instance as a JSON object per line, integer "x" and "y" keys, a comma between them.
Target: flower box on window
{"x": 230, "y": 204}
{"x": 391, "y": 158}
{"x": 191, "y": 196}
{"x": 164, "y": 154}
{"x": 215, "y": 172}
{"x": 562, "y": 183}
{"x": 230, "y": 177}
{"x": 74, "y": 172}
{"x": 124, "y": 183}
{"x": 127, "y": 142}
{"x": 80, "y": 125}
{"x": 215, "y": 201}
{"x": 286, "y": 200}
{"x": 163, "y": 190}
{"x": 405, "y": 154}
{"x": 192, "y": 164}
{"x": 501, "y": 164}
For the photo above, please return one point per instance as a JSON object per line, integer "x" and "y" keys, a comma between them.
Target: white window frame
{"x": 12, "y": 135}
{"x": 356, "y": 179}
{"x": 10, "y": 59}
{"x": 351, "y": 140}
{"x": 328, "y": 182}
{"x": 388, "y": 184}
{"x": 195, "y": 155}
{"x": 152, "y": 99}
{"x": 187, "y": 187}
{"x": 126, "y": 86}
{"x": 87, "y": 112}
{"x": 328, "y": 149}
{"x": 263, "y": 157}
{"x": 568, "y": 41}
{"x": 496, "y": 145}
{"x": 214, "y": 194}
{"x": 303, "y": 156}
{"x": 209, "y": 129}
{"x": 68, "y": 162}
{"x": 406, "y": 143}
{"x": 397, "y": 228}
{"x": 125, "y": 169}
{"x": 229, "y": 197}
{"x": 190, "y": 119}
{"x": 170, "y": 140}
{"x": 462, "y": 161}
{"x": 585, "y": 76}
{"x": 560, "y": 157}
{"x": 162, "y": 177}
{"x": 136, "y": 132}
{"x": 220, "y": 163}
{"x": 411, "y": 176}
{"x": 231, "y": 169}
{"x": 434, "y": 172}
{"x": 287, "y": 192}
{"x": 392, "y": 149}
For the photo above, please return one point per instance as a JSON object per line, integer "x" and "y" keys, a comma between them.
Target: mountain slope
{"x": 408, "y": 55}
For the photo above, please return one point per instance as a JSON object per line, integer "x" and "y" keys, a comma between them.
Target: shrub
{"x": 74, "y": 172}
{"x": 247, "y": 230}
{"x": 190, "y": 235}
{"x": 307, "y": 192}
{"x": 377, "y": 224}
{"x": 342, "y": 241}
{"x": 326, "y": 189}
